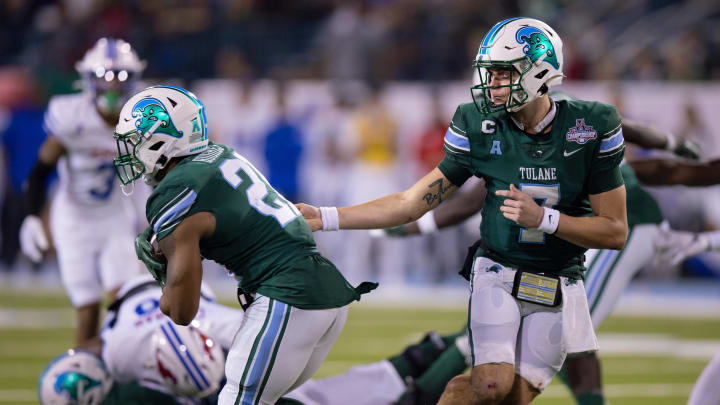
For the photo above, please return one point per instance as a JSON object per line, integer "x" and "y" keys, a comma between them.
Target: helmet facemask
{"x": 518, "y": 96}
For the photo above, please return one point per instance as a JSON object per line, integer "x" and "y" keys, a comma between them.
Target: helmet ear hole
{"x": 541, "y": 74}
{"x": 157, "y": 145}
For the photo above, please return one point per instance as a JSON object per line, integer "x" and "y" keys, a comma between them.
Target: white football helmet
{"x": 109, "y": 71}
{"x": 156, "y": 125}
{"x": 528, "y": 46}
{"x": 189, "y": 363}
{"x": 76, "y": 377}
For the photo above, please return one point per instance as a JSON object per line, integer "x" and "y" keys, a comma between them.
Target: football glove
{"x": 684, "y": 148}
{"x": 33, "y": 241}
{"x": 154, "y": 261}
{"x": 675, "y": 246}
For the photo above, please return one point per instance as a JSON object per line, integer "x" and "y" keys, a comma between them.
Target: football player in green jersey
{"x": 554, "y": 190}
{"x": 210, "y": 202}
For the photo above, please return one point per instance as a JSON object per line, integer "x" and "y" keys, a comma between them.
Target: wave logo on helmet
{"x": 537, "y": 44}
{"x": 149, "y": 111}
{"x": 74, "y": 384}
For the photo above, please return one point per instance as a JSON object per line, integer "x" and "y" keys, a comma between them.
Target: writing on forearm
{"x": 431, "y": 197}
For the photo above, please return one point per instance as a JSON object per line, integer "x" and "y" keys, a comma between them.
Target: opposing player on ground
{"x": 88, "y": 203}
{"x": 146, "y": 358}
{"x": 135, "y": 354}
{"x": 534, "y": 154}
{"x": 210, "y": 202}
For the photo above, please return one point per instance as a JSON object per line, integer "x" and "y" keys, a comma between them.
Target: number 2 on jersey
{"x": 282, "y": 210}
{"x": 546, "y": 195}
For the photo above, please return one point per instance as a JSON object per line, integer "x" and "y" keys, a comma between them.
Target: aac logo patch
{"x": 581, "y": 133}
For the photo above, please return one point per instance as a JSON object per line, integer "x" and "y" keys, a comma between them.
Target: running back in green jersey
{"x": 578, "y": 157}
{"x": 259, "y": 236}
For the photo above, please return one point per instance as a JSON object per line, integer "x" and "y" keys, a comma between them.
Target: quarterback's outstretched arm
{"x": 391, "y": 210}
{"x": 659, "y": 172}
{"x": 181, "y": 295}
{"x": 462, "y": 206}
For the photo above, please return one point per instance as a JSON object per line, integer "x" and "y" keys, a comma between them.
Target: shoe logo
{"x": 566, "y": 153}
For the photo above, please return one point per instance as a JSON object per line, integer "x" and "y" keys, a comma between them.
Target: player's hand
{"x": 33, "y": 241}
{"x": 520, "y": 208}
{"x": 687, "y": 149}
{"x": 311, "y": 215}
{"x": 154, "y": 260}
{"x": 675, "y": 246}
{"x": 394, "y": 232}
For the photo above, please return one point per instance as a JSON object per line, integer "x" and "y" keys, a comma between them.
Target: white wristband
{"x": 550, "y": 220}
{"x": 427, "y": 224}
{"x": 330, "y": 219}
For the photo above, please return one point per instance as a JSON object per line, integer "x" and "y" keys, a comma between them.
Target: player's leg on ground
{"x": 457, "y": 392}
{"x": 430, "y": 385}
{"x": 275, "y": 348}
{"x": 707, "y": 390}
{"x": 416, "y": 358}
{"x": 88, "y": 319}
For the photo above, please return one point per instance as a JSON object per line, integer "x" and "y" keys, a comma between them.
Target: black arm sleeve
{"x": 35, "y": 187}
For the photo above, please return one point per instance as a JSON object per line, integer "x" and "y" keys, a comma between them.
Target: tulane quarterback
{"x": 554, "y": 190}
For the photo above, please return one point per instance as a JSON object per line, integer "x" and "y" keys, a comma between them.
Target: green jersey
{"x": 259, "y": 236}
{"x": 578, "y": 157}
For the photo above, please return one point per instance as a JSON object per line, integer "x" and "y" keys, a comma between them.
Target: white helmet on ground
{"x": 76, "y": 377}
{"x": 526, "y": 45}
{"x": 156, "y": 125}
{"x": 109, "y": 71}
{"x": 189, "y": 363}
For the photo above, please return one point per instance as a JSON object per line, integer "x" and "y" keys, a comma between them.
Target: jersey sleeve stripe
{"x": 457, "y": 129}
{"x": 612, "y": 143}
{"x": 613, "y": 153}
{"x": 182, "y": 193}
{"x": 456, "y": 140}
{"x": 179, "y": 209}
{"x": 613, "y": 131}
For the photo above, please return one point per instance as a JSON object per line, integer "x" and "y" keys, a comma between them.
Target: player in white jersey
{"x": 92, "y": 223}
{"x": 144, "y": 373}
{"x": 148, "y": 357}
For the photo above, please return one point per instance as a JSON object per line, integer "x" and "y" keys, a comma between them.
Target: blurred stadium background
{"x": 338, "y": 102}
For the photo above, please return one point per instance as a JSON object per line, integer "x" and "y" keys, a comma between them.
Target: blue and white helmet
{"x": 76, "y": 377}
{"x": 156, "y": 125}
{"x": 109, "y": 71}
{"x": 189, "y": 363}
{"x": 526, "y": 45}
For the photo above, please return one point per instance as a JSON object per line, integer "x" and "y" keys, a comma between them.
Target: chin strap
{"x": 127, "y": 189}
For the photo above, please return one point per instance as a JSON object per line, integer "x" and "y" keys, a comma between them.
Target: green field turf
{"x": 371, "y": 333}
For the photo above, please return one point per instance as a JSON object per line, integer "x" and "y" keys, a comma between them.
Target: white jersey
{"x": 88, "y": 181}
{"x": 127, "y": 348}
